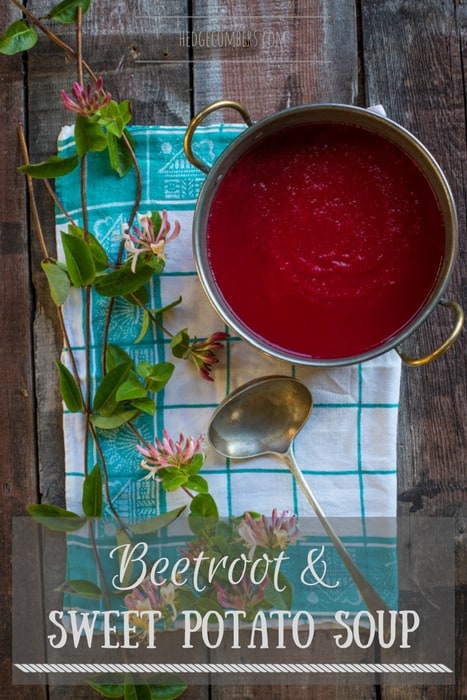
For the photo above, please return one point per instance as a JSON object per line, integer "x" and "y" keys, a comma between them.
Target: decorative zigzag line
{"x": 234, "y": 668}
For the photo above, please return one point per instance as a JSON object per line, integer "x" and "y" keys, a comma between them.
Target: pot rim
{"x": 336, "y": 113}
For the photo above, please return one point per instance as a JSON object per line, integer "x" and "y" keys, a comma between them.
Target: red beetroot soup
{"x": 325, "y": 240}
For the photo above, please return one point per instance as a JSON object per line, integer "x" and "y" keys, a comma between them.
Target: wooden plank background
{"x": 404, "y": 54}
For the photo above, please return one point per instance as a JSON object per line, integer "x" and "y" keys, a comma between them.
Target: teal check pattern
{"x": 347, "y": 449}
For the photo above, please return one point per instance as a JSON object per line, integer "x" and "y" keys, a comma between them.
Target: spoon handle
{"x": 372, "y": 599}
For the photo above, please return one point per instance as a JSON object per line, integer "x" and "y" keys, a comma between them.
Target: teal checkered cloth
{"x": 347, "y": 450}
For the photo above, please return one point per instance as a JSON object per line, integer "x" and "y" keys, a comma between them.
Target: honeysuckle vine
{"x": 127, "y": 390}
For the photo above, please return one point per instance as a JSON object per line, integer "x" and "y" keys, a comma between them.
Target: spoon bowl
{"x": 260, "y": 417}
{"x": 263, "y": 416}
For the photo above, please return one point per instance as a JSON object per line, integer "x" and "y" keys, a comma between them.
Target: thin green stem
{"x": 79, "y": 45}
{"x": 134, "y": 211}
{"x": 84, "y": 210}
{"x": 103, "y": 464}
{"x": 87, "y": 320}
{"x": 100, "y": 569}
{"x": 139, "y": 182}
{"x": 32, "y": 199}
{"x": 188, "y": 492}
{"x": 71, "y": 354}
{"x": 152, "y": 316}
{"x": 53, "y": 37}
{"x": 136, "y": 432}
{"x": 57, "y": 202}
{"x": 45, "y": 253}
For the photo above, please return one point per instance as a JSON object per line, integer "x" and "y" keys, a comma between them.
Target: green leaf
{"x": 56, "y": 518}
{"x": 136, "y": 692}
{"x": 156, "y": 262}
{"x": 124, "y": 281}
{"x": 65, "y": 12}
{"x": 102, "y": 686}
{"x": 196, "y": 463}
{"x": 51, "y": 168}
{"x": 97, "y": 251}
{"x": 157, "y": 523}
{"x": 281, "y": 600}
{"x": 115, "y": 116}
{"x": 197, "y": 483}
{"x": 147, "y": 405}
{"x": 206, "y": 603}
{"x": 79, "y": 260}
{"x": 117, "y": 419}
{"x": 204, "y": 514}
{"x": 81, "y": 587}
{"x": 156, "y": 219}
{"x": 119, "y": 155}
{"x": 93, "y": 501}
{"x": 156, "y": 376}
{"x": 105, "y": 401}
{"x": 167, "y": 692}
{"x": 131, "y": 389}
{"x": 145, "y": 368}
{"x": 180, "y": 344}
{"x": 168, "y": 307}
{"x": 109, "y": 685}
{"x": 186, "y": 600}
{"x": 69, "y": 389}
{"x": 204, "y": 506}
{"x": 138, "y": 298}
{"x": 160, "y": 376}
{"x": 116, "y": 355}
{"x": 144, "y": 326}
{"x": 59, "y": 282}
{"x": 89, "y": 136}
{"x": 155, "y": 312}
{"x": 18, "y": 37}
{"x": 172, "y": 478}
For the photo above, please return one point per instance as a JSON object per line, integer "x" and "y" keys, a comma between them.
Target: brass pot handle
{"x": 418, "y": 361}
{"x": 195, "y": 122}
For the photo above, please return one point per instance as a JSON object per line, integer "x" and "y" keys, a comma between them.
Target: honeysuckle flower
{"x": 149, "y": 596}
{"x": 277, "y": 533}
{"x": 143, "y": 239}
{"x": 87, "y": 101}
{"x": 203, "y": 353}
{"x": 244, "y": 596}
{"x": 195, "y": 547}
{"x": 169, "y": 453}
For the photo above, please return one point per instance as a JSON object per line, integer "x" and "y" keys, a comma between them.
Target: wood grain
{"x": 18, "y": 477}
{"x": 432, "y": 432}
{"x": 291, "y": 58}
{"x": 413, "y": 65}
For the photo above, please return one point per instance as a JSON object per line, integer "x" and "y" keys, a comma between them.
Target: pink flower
{"x": 197, "y": 546}
{"x": 87, "y": 101}
{"x": 203, "y": 353}
{"x": 167, "y": 453}
{"x": 244, "y": 596}
{"x": 277, "y": 534}
{"x": 145, "y": 240}
{"x": 149, "y": 596}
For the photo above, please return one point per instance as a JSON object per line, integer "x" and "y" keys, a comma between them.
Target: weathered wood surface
{"x": 404, "y": 54}
{"x": 412, "y": 56}
{"x": 19, "y": 477}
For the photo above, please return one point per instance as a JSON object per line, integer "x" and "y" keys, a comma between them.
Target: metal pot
{"x": 323, "y": 113}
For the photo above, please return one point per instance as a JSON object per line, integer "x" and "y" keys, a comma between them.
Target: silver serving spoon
{"x": 263, "y": 416}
